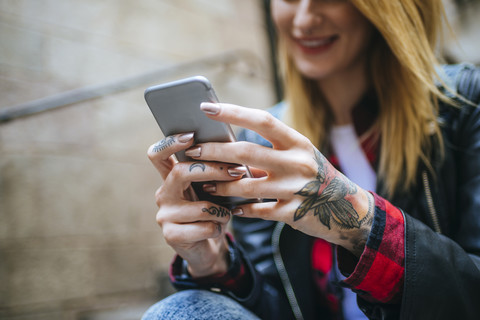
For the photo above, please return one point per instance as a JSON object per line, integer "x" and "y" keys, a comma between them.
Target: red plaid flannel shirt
{"x": 379, "y": 273}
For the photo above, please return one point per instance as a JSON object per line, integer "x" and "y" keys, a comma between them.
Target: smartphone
{"x": 176, "y": 108}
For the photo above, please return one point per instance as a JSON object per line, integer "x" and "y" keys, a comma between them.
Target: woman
{"x": 364, "y": 96}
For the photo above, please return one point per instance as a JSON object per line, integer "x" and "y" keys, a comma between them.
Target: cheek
{"x": 356, "y": 25}
{"x": 282, "y": 29}
{"x": 362, "y": 38}
{"x": 358, "y": 33}
{"x": 282, "y": 17}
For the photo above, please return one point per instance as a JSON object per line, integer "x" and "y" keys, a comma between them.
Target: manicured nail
{"x": 193, "y": 152}
{"x": 237, "y": 171}
{"x": 210, "y": 108}
{"x": 185, "y": 137}
{"x": 209, "y": 187}
{"x": 237, "y": 212}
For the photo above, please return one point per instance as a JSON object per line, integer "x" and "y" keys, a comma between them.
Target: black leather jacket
{"x": 442, "y": 234}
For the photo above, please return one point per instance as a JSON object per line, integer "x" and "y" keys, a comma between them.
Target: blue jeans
{"x": 198, "y": 305}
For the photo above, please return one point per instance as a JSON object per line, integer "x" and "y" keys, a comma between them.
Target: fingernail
{"x": 237, "y": 171}
{"x": 209, "y": 187}
{"x": 185, "y": 137}
{"x": 237, "y": 212}
{"x": 210, "y": 108}
{"x": 193, "y": 152}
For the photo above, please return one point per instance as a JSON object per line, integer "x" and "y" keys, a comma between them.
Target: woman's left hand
{"x": 312, "y": 196}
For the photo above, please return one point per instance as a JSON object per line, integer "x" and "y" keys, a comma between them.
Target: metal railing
{"x": 68, "y": 98}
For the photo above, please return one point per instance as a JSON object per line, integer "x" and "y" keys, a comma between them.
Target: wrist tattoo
{"x": 164, "y": 144}
{"x": 358, "y": 245}
{"x": 326, "y": 197}
{"x": 217, "y": 211}
{"x": 371, "y": 209}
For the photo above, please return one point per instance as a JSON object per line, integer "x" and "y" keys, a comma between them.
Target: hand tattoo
{"x": 358, "y": 245}
{"x": 197, "y": 165}
{"x": 217, "y": 211}
{"x": 164, "y": 144}
{"x": 329, "y": 203}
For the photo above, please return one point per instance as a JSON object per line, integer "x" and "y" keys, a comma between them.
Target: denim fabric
{"x": 198, "y": 305}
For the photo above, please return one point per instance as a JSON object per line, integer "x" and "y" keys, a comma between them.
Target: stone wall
{"x": 78, "y": 237}
{"x": 462, "y": 45}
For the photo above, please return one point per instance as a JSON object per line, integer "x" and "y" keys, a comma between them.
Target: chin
{"x": 314, "y": 73}
{"x": 314, "y": 70}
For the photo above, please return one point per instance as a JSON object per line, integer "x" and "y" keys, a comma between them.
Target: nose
{"x": 307, "y": 16}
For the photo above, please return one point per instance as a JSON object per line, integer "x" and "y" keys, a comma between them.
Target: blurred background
{"x": 78, "y": 237}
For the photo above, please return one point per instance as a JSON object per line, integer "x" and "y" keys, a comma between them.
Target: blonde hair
{"x": 402, "y": 70}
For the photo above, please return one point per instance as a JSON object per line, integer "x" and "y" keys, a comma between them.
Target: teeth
{"x": 314, "y": 43}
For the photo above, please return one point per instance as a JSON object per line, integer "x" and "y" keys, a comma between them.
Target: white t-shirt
{"x": 355, "y": 166}
{"x": 353, "y": 161}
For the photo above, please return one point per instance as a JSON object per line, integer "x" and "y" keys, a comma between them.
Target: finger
{"x": 178, "y": 234}
{"x": 254, "y": 188}
{"x": 262, "y": 210}
{"x": 191, "y": 212}
{"x": 243, "y": 152}
{"x": 160, "y": 153}
{"x": 273, "y": 210}
{"x": 257, "y": 173}
{"x": 217, "y": 171}
{"x": 184, "y": 173}
{"x": 279, "y": 134}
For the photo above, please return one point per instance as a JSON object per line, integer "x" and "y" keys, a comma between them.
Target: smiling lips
{"x": 315, "y": 45}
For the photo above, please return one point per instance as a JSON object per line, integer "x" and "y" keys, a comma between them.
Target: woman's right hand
{"x": 194, "y": 229}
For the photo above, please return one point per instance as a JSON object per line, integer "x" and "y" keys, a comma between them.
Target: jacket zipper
{"x": 431, "y": 206}
{"x": 287, "y": 285}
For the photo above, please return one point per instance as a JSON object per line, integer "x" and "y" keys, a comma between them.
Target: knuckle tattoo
{"x": 219, "y": 212}
{"x": 198, "y": 165}
{"x": 163, "y": 144}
